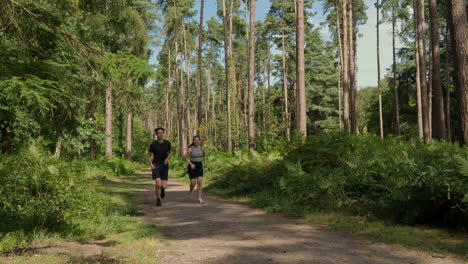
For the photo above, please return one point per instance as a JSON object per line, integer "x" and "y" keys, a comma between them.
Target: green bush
{"x": 38, "y": 192}
{"x": 118, "y": 166}
{"x": 404, "y": 181}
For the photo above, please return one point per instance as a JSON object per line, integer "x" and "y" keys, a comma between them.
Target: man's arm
{"x": 169, "y": 155}
{"x": 150, "y": 161}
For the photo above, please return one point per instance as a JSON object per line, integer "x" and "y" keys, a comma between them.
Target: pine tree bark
{"x": 208, "y": 93}
{"x": 6, "y": 140}
{"x": 129, "y": 136}
{"x": 340, "y": 61}
{"x": 180, "y": 94}
{"x": 167, "y": 112}
{"x": 429, "y": 90}
{"x": 198, "y": 103}
{"x": 252, "y": 76}
{"x": 395, "y": 76}
{"x": 188, "y": 119}
{"x": 58, "y": 146}
{"x": 352, "y": 70}
{"x": 227, "y": 77}
{"x": 300, "y": 69}
{"x": 447, "y": 84}
{"x": 264, "y": 95}
{"x": 422, "y": 70}
{"x": 109, "y": 119}
{"x": 459, "y": 36}
{"x": 243, "y": 100}
{"x": 438, "y": 115}
{"x": 377, "y": 5}
{"x": 418, "y": 75}
{"x": 285, "y": 85}
{"x": 346, "y": 80}
{"x": 181, "y": 111}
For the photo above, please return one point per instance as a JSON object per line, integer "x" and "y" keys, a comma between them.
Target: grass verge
{"x": 434, "y": 241}
{"x": 128, "y": 241}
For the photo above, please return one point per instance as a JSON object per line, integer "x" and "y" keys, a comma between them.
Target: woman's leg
{"x": 192, "y": 184}
{"x": 199, "y": 187}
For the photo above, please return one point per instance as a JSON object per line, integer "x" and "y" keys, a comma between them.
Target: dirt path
{"x": 222, "y": 232}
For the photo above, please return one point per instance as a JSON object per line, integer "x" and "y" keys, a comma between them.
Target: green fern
{"x": 462, "y": 165}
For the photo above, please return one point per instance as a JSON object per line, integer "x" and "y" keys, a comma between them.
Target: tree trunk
{"x": 447, "y": 84}
{"x": 438, "y": 115}
{"x": 377, "y": 5}
{"x": 300, "y": 69}
{"x": 168, "y": 94}
{"x": 183, "y": 116}
{"x": 129, "y": 136}
{"x": 252, "y": 76}
{"x": 429, "y": 90}
{"x": 198, "y": 103}
{"x": 340, "y": 60}
{"x": 187, "y": 117}
{"x": 180, "y": 95}
{"x": 459, "y": 36}
{"x": 418, "y": 75}
{"x": 227, "y": 77}
{"x": 208, "y": 92}
{"x": 213, "y": 115}
{"x": 244, "y": 101}
{"x": 109, "y": 119}
{"x": 355, "y": 69}
{"x": 285, "y": 86}
{"x": 181, "y": 111}
{"x": 6, "y": 141}
{"x": 352, "y": 70}
{"x": 268, "y": 75}
{"x": 120, "y": 135}
{"x": 422, "y": 69}
{"x": 264, "y": 84}
{"x": 395, "y": 77}
{"x": 345, "y": 68}
{"x": 58, "y": 147}
{"x": 234, "y": 88}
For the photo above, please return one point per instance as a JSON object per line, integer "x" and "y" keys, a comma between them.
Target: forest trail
{"x": 221, "y": 232}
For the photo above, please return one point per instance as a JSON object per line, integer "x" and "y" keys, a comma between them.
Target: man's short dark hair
{"x": 159, "y": 128}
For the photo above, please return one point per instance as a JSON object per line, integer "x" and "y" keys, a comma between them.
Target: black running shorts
{"x": 161, "y": 171}
{"x": 197, "y": 172}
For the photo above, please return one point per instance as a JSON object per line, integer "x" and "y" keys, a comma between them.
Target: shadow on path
{"x": 225, "y": 232}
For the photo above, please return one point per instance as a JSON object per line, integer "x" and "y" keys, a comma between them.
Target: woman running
{"x": 196, "y": 155}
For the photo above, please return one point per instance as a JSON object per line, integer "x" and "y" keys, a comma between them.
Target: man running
{"x": 159, "y": 163}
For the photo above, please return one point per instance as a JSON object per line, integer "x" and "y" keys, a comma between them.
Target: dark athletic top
{"x": 160, "y": 151}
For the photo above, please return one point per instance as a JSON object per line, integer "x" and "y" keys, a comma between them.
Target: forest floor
{"x": 217, "y": 232}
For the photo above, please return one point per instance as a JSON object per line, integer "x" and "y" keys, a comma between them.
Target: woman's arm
{"x": 187, "y": 156}
{"x": 204, "y": 155}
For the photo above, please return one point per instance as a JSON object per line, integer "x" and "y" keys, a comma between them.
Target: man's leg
{"x": 164, "y": 176}
{"x": 157, "y": 188}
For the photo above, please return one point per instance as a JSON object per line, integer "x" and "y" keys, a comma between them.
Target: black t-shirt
{"x": 160, "y": 151}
